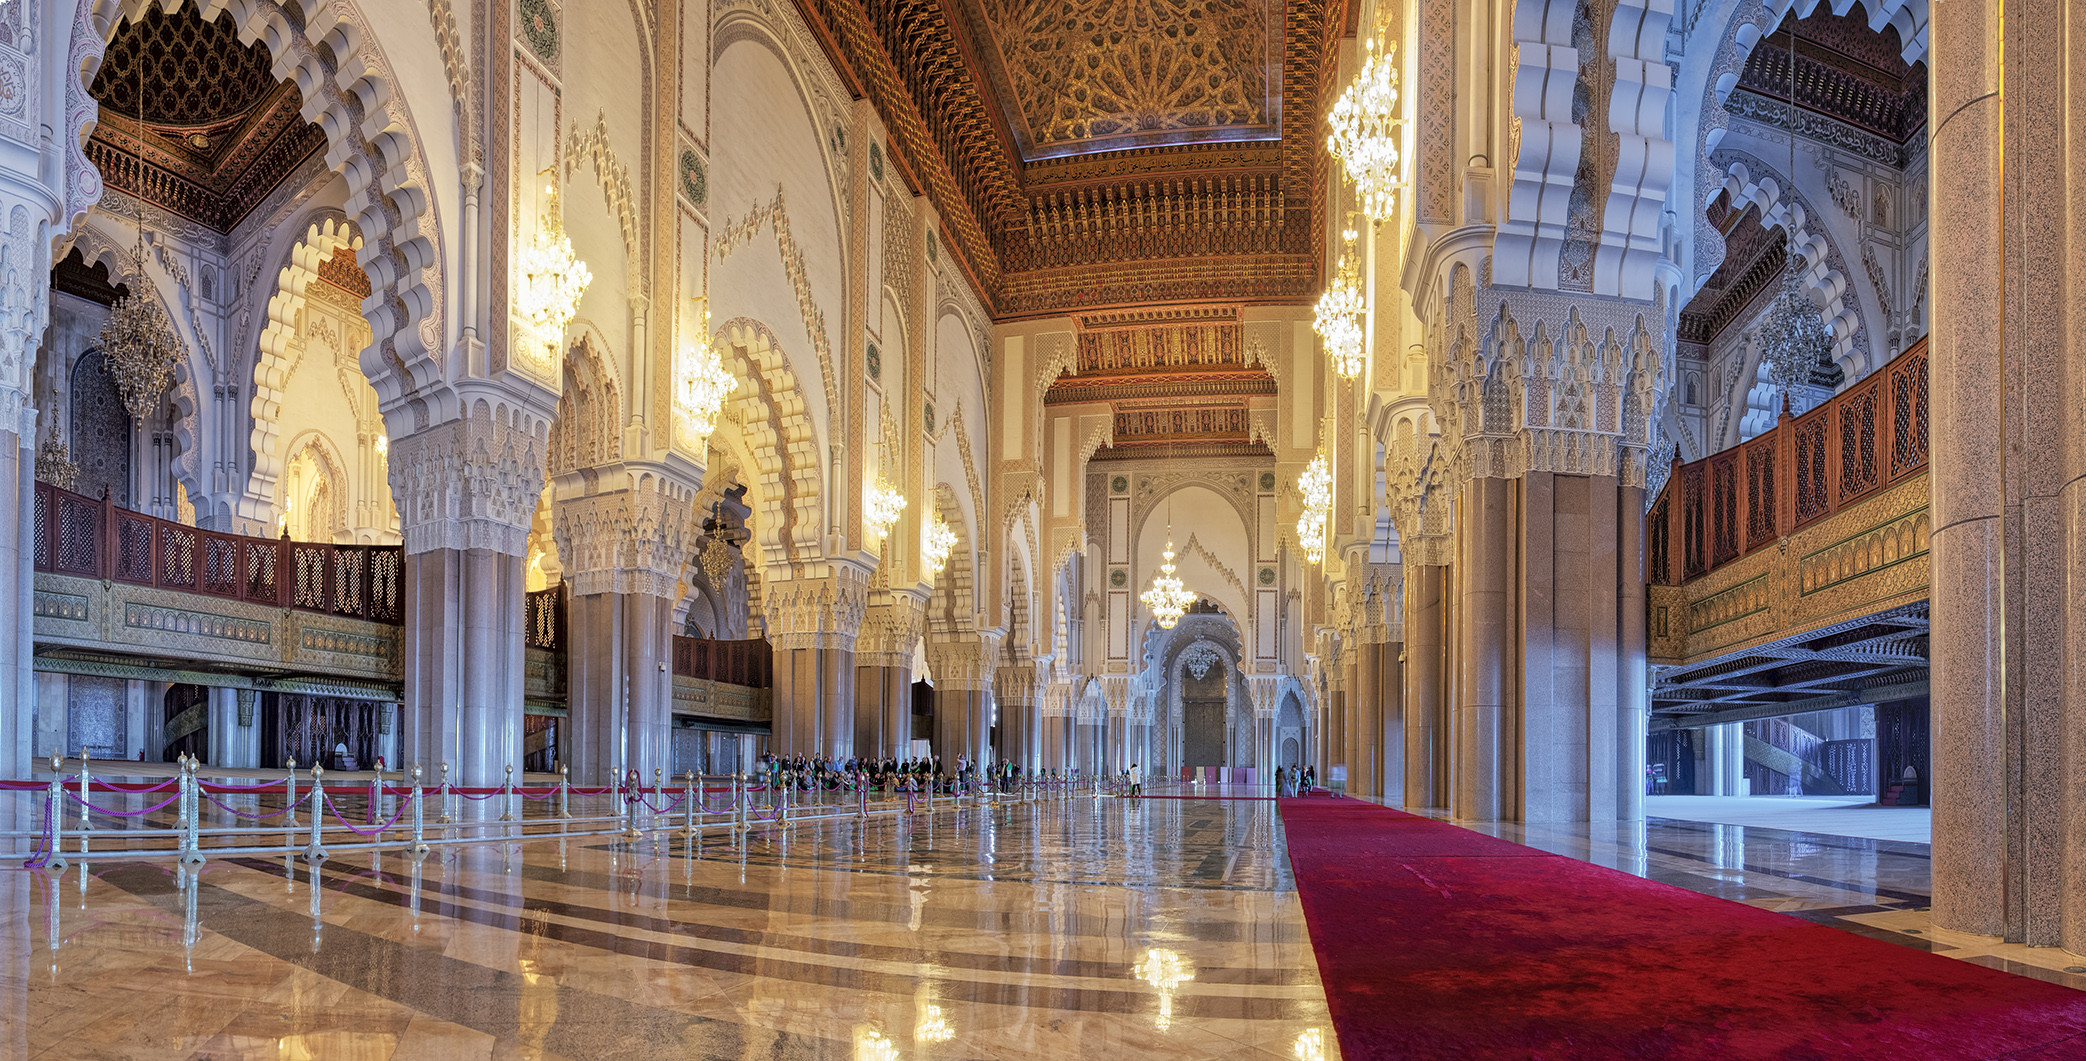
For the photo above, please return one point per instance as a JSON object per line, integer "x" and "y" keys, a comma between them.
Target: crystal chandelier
{"x": 1340, "y": 312}
{"x": 137, "y": 341}
{"x": 881, "y": 508}
{"x": 1316, "y": 484}
{"x": 1792, "y": 338}
{"x": 54, "y": 463}
{"x": 1168, "y": 598}
{"x": 703, "y": 386}
{"x": 553, "y": 278}
{"x": 1367, "y": 127}
{"x": 937, "y": 541}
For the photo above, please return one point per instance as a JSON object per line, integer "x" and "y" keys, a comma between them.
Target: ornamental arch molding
{"x": 329, "y": 51}
{"x": 1725, "y": 48}
{"x": 282, "y": 319}
{"x": 782, "y": 442}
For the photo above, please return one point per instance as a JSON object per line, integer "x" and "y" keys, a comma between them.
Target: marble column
{"x": 1390, "y": 729}
{"x": 624, "y": 534}
{"x": 813, "y": 624}
{"x": 1365, "y": 719}
{"x": 2007, "y": 472}
{"x": 17, "y": 564}
{"x": 463, "y": 588}
{"x": 1016, "y": 692}
{"x": 1424, "y": 693}
{"x": 962, "y": 661}
{"x": 1481, "y": 791}
{"x": 884, "y": 673}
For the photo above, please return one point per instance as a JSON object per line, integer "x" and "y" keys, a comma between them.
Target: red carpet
{"x": 1438, "y": 942}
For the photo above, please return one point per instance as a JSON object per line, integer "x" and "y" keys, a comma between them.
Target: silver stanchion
{"x": 630, "y": 798}
{"x": 565, "y": 790}
{"x": 315, "y": 852}
{"x": 191, "y": 799}
{"x": 507, "y": 796}
{"x": 688, "y": 808}
{"x": 289, "y": 820}
{"x": 54, "y": 809}
{"x": 86, "y": 823}
{"x": 444, "y": 797}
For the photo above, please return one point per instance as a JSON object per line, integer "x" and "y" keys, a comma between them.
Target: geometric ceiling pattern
{"x": 1082, "y": 76}
{"x": 1094, "y": 154}
{"x": 193, "y": 120}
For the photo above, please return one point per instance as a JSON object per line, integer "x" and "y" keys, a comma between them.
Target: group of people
{"x": 924, "y": 774}
{"x": 1295, "y": 780}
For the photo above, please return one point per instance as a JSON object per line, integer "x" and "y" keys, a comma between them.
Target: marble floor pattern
{"x": 1084, "y": 928}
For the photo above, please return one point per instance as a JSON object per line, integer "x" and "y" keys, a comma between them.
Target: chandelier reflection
{"x": 1316, "y": 484}
{"x": 1166, "y": 971}
{"x": 1367, "y": 130}
{"x": 1341, "y": 311}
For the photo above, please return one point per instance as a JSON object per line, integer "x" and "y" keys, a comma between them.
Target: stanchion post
{"x": 688, "y": 808}
{"x": 861, "y": 795}
{"x": 658, "y": 789}
{"x": 632, "y": 793}
{"x": 56, "y": 813}
{"x": 86, "y": 823}
{"x": 315, "y": 852}
{"x": 191, "y": 794}
{"x": 507, "y": 796}
{"x": 444, "y": 796}
{"x": 419, "y": 847}
{"x": 289, "y": 820}
{"x": 565, "y": 790}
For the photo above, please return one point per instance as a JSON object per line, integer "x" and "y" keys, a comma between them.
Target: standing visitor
{"x": 1136, "y": 780}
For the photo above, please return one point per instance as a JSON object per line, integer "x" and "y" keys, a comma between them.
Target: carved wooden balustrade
{"x": 1721, "y": 508}
{"x": 748, "y": 663}
{"x": 81, "y": 536}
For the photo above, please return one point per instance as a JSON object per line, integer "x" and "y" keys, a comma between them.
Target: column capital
{"x": 963, "y": 659}
{"x": 470, "y": 483}
{"x": 627, "y": 527}
{"x": 818, "y": 612}
{"x": 890, "y": 628}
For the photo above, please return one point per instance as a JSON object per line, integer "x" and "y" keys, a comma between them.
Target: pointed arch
{"x": 279, "y": 333}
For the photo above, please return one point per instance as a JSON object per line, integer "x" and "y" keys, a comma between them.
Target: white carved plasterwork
{"x": 631, "y": 539}
{"x": 591, "y": 146}
{"x": 1535, "y": 381}
{"x": 963, "y": 660}
{"x": 891, "y": 628}
{"x": 471, "y": 483}
{"x": 732, "y": 235}
{"x": 823, "y": 612}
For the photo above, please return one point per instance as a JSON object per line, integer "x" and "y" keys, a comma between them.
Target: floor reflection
{"x": 1083, "y": 928}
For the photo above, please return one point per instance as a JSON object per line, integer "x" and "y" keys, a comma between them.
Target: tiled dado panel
{"x": 131, "y": 620}
{"x": 1867, "y": 559}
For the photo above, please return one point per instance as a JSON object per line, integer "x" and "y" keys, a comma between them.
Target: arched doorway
{"x": 1205, "y": 711}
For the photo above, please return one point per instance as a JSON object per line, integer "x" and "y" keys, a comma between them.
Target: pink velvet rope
{"x": 396, "y": 815}
{"x": 124, "y": 813}
{"x": 237, "y": 813}
{"x": 111, "y": 786}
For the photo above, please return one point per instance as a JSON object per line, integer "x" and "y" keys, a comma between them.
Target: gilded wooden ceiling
{"x": 193, "y": 120}
{"x": 1079, "y": 76}
{"x": 1096, "y": 154}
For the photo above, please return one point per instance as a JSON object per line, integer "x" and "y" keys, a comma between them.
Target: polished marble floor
{"x": 1088, "y": 928}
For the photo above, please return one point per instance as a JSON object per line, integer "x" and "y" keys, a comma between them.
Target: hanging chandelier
{"x": 882, "y": 508}
{"x": 553, "y": 278}
{"x": 703, "y": 385}
{"x": 137, "y": 341}
{"x": 1316, "y": 484}
{"x": 937, "y": 541}
{"x": 1340, "y": 313}
{"x": 1367, "y": 130}
{"x": 1792, "y": 338}
{"x": 1168, "y": 598}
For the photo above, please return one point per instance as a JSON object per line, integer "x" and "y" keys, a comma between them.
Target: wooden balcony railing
{"x": 746, "y": 662}
{"x": 1724, "y": 506}
{"x": 78, "y": 535}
